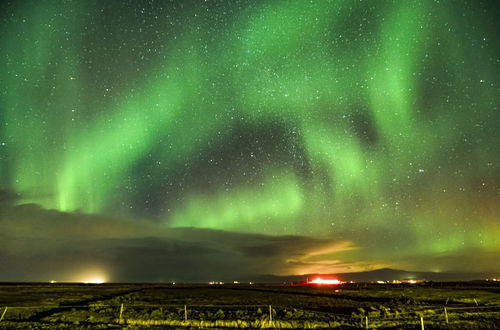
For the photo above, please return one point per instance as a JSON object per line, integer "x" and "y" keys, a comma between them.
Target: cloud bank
{"x": 39, "y": 244}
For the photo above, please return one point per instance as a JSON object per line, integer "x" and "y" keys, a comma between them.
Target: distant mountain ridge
{"x": 383, "y": 274}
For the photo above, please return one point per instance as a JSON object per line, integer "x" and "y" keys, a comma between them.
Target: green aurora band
{"x": 370, "y": 121}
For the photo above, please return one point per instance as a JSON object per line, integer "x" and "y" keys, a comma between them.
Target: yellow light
{"x": 91, "y": 276}
{"x": 95, "y": 280}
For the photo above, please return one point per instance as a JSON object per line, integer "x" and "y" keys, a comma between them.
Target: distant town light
{"x": 95, "y": 280}
{"x": 321, "y": 281}
{"x": 90, "y": 275}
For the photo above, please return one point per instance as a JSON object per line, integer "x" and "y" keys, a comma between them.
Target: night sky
{"x": 221, "y": 139}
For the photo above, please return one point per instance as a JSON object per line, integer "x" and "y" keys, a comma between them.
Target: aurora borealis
{"x": 331, "y": 136}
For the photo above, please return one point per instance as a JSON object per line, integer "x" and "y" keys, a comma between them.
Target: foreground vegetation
{"x": 75, "y": 306}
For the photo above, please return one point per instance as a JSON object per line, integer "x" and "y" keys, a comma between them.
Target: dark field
{"x": 474, "y": 305}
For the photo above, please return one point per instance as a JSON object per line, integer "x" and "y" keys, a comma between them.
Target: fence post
{"x": 270, "y": 314}
{"x": 121, "y": 313}
{"x": 446, "y": 315}
{"x": 422, "y": 322}
{"x": 3, "y": 314}
{"x": 185, "y": 313}
{"x": 366, "y": 322}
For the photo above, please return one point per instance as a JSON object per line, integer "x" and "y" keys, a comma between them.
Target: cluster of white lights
{"x": 400, "y": 282}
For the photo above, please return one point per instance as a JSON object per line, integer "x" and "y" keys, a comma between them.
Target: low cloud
{"x": 39, "y": 245}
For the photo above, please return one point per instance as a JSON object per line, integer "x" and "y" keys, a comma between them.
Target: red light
{"x": 321, "y": 281}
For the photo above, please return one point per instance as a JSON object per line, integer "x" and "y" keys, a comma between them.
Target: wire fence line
{"x": 269, "y": 316}
{"x": 97, "y": 305}
{"x": 4, "y": 309}
{"x": 222, "y": 305}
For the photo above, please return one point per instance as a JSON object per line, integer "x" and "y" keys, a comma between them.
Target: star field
{"x": 372, "y": 122}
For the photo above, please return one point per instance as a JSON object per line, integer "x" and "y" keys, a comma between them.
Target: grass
{"x": 54, "y": 306}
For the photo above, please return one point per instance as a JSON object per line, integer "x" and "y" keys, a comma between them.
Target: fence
{"x": 242, "y": 316}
